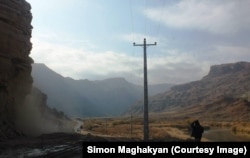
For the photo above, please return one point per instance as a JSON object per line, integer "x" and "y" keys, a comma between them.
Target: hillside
{"x": 222, "y": 94}
{"x": 89, "y": 98}
{"x": 59, "y": 94}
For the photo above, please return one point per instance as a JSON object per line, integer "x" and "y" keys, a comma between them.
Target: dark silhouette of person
{"x": 197, "y": 130}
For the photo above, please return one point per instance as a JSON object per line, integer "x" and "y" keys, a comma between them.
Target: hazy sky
{"x": 93, "y": 39}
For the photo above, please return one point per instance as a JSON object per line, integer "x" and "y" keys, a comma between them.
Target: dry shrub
{"x": 159, "y": 133}
{"x": 120, "y": 122}
{"x": 243, "y": 127}
{"x": 221, "y": 124}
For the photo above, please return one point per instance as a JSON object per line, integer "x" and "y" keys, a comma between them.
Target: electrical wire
{"x": 159, "y": 23}
{"x": 136, "y": 67}
{"x": 145, "y": 22}
{"x": 131, "y": 19}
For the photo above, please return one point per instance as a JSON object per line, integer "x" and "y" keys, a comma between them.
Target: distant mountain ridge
{"x": 226, "y": 69}
{"x": 227, "y": 86}
{"x": 60, "y": 95}
{"x": 85, "y": 98}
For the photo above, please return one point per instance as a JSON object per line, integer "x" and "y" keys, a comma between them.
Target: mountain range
{"x": 222, "y": 94}
{"x": 85, "y": 98}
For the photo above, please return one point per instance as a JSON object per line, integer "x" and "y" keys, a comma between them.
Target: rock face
{"x": 218, "y": 70}
{"x": 15, "y": 63}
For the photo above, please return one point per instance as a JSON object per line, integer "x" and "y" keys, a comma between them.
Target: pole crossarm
{"x": 145, "y": 43}
{"x": 146, "y": 129}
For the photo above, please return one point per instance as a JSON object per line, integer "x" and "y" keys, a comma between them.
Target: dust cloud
{"x": 35, "y": 117}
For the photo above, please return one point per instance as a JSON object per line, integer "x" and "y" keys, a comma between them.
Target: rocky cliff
{"x": 23, "y": 109}
{"x": 15, "y": 63}
{"x": 227, "y": 69}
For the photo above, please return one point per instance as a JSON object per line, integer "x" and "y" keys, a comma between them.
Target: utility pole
{"x": 146, "y": 129}
{"x": 131, "y": 125}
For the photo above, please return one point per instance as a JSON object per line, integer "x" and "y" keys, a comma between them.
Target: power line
{"x": 135, "y": 64}
{"x": 145, "y": 23}
{"x": 161, "y": 13}
{"x": 131, "y": 18}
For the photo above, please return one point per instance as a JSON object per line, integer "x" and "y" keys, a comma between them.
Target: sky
{"x": 93, "y": 39}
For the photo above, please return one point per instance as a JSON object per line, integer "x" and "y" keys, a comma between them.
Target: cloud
{"x": 219, "y": 17}
{"x": 230, "y": 53}
{"x": 176, "y": 67}
{"x": 170, "y": 66}
{"x": 178, "y": 73}
{"x": 93, "y": 64}
{"x": 79, "y": 62}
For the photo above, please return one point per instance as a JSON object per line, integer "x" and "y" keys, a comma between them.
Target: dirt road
{"x": 49, "y": 145}
{"x": 56, "y": 145}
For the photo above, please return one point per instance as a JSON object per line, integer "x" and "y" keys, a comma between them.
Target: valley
{"x": 85, "y": 98}
{"x": 219, "y": 100}
{"x": 165, "y": 127}
{"x": 44, "y": 113}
